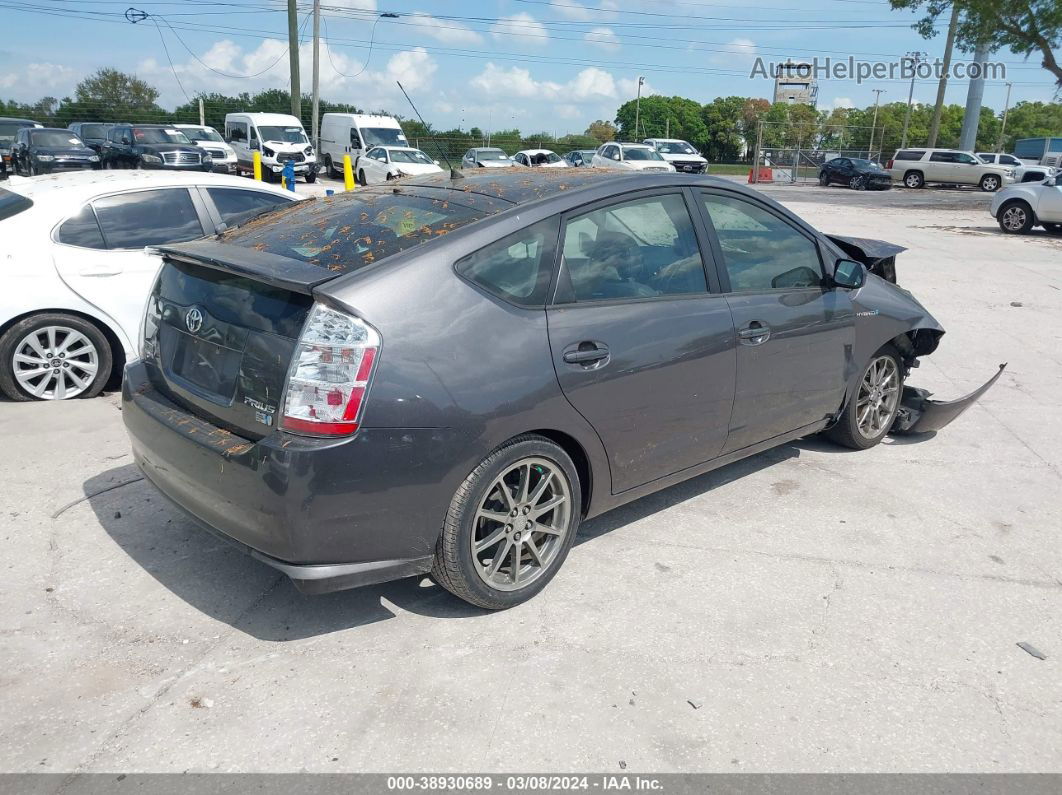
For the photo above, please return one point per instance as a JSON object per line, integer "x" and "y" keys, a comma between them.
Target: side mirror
{"x": 849, "y": 273}
{"x": 126, "y": 141}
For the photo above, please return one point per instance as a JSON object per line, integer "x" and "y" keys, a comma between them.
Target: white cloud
{"x": 37, "y": 77}
{"x": 740, "y": 48}
{"x": 605, "y": 38}
{"x": 843, "y": 102}
{"x": 567, "y": 111}
{"x": 520, "y": 27}
{"x": 572, "y": 10}
{"x": 354, "y": 5}
{"x": 592, "y": 83}
{"x": 589, "y": 85}
{"x": 513, "y": 82}
{"x": 444, "y": 30}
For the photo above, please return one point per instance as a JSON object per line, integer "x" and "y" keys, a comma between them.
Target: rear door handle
{"x": 586, "y": 353}
{"x": 755, "y": 333}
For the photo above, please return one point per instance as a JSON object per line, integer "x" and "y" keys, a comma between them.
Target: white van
{"x": 277, "y": 136}
{"x": 353, "y": 134}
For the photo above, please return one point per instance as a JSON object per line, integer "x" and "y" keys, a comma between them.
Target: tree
{"x": 723, "y": 129}
{"x": 1029, "y": 27}
{"x": 601, "y": 131}
{"x": 1032, "y": 120}
{"x": 110, "y": 89}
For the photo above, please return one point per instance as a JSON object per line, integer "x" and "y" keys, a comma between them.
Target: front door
{"x": 1049, "y": 208}
{"x": 642, "y": 349}
{"x": 794, "y": 333}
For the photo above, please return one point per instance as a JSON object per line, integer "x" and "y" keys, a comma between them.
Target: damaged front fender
{"x": 919, "y": 414}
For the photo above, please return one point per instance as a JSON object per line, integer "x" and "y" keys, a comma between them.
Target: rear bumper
{"x": 330, "y": 515}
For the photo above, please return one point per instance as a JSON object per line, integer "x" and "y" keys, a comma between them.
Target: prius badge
{"x": 193, "y": 321}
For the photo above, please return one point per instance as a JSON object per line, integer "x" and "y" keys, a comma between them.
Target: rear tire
{"x": 492, "y": 552}
{"x": 1016, "y": 218}
{"x": 90, "y": 363}
{"x": 330, "y": 169}
{"x": 824, "y": 179}
{"x": 311, "y": 178}
{"x": 870, "y": 413}
{"x": 914, "y": 179}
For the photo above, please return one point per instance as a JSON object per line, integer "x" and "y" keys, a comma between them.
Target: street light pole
{"x": 1003, "y": 129}
{"x": 638, "y": 105}
{"x": 316, "y": 71}
{"x": 293, "y": 60}
{"x": 915, "y": 58}
{"x": 874, "y": 124}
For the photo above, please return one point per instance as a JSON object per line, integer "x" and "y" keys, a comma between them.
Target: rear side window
{"x": 944, "y": 157}
{"x": 82, "y": 230}
{"x": 516, "y": 268}
{"x": 236, "y": 206}
{"x": 347, "y": 232}
{"x": 907, "y": 155}
{"x": 148, "y": 218}
{"x": 12, "y": 204}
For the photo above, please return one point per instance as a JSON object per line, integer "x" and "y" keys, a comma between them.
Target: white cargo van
{"x": 277, "y": 136}
{"x": 353, "y": 134}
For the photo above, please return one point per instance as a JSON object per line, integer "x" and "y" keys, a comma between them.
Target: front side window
{"x": 518, "y": 267}
{"x": 148, "y": 218}
{"x": 236, "y": 205}
{"x": 643, "y": 248}
{"x": 1010, "y": 160}
{"x": 969, "y": 160}
{"x": 237, "y": 131}
{"x": 760, "y": 250}
{"x": 82, "y": 230}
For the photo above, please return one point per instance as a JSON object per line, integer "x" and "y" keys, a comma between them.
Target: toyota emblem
{"x": 193, "y": 321}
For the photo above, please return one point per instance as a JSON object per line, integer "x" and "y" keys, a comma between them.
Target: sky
{"x": 540, "y": 65}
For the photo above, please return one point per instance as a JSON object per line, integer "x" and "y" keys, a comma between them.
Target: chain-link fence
{"x": 795, "y": 153}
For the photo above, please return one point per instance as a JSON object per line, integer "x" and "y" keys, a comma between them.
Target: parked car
{"x": 277, "y": 137}
{"x": 8, "y": 129}
{"x": 354, "y": 134}
{"x": 580, "y": 158}
{"x": 856, "y": 173}
{"x": 154, "y": 147}
{"x": 93, "y": 133}
{"x": 681, "y": 154}
{"x": 1022, "y": 171}
{"x": 1021, "y": 207}
{"x": 75, "y": 273}
{"x": 633, "y": 157}
{"x": 450, "y": 376}
{"x": 384, "y": 163}
{"x": 42, "y": 150}
{"x": 539, "y": 158}
{"x": 917, "y": 167}
{"x": 222, "y": 156}
{"x": 486, "y": 157}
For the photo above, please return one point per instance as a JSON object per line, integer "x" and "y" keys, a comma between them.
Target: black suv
{"x": 93, "y": 133}
{"x": 152, "y": 146}
{"x": 8, "y": 130}
{"x": 42, "y": 150}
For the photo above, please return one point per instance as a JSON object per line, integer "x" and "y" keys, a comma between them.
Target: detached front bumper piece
{"x": 919, "y": 414}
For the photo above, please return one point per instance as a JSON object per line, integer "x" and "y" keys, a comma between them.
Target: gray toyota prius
{"x": 447, "y": 375}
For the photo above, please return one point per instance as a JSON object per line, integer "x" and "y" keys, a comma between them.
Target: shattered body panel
{"x": 919, "y": 414}
{"x": 877, "y": 255}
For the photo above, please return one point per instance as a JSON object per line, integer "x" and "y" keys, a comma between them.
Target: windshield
{"x": 491, "y": 154}
{"x": 158, "y": 135}
{"x": 8, "y": 130}
{"x": 675, "y": 148}
{"x": 860, "y": 163}
{"x": 284, "y": 135}
{"x": 352, "y": 230}
{"x": 410, "y": 156}
{"x": 56, "y": 139}
{"x": 94, "y": 130}
{"x": 202, "y": 134}
{"x": 541, "y": 158}
{"x": 640, "y": 153}
{"x": 383, "y": 136}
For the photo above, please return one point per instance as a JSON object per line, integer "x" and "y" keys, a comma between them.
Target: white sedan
{"x": 539, "y": 158}
{"x": 383, "y": 163}
{"x": 634, "y": 157}
{"x": 1018, "y": 208}
{"x": 75, "y": 272}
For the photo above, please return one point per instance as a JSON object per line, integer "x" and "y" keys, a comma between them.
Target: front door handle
{"x": 755, "y": 333}
{"x": 586, "y": 353}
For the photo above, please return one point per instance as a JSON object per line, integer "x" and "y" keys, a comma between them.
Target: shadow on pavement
{"x": 231, "y": 587}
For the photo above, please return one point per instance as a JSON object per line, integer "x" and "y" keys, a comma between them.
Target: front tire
{"x": 510, "y": 525}
{"x": 1016, "y": 218}
{"x": 54, "y": 356}
{"x": 990, "y": 183}
{"x": 869, "y": 414}
{"x": 311, "y": 177}
{"x": 858, "y": 183}
{"x": 361, "y": 179}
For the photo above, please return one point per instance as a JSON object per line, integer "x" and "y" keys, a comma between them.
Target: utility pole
{"x": 638, "y": 105}
{"x": 293, "y": 60}
{"x": 971, "y": 117}
{"x": 942, "y": 85}
{"x": 915, "y": 58}
{"x": 316, "y": 72}
{"x": 202, "y": 112}
{"x": 1003, "y": 129}
{"x": 667, "y": 133}
{"x": 874, "y": 124}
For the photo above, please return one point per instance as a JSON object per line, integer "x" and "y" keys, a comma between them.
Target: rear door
{"x": 642, "y": 348}
{"x": 794, "y": 334}
{"x": 99, "y": 251}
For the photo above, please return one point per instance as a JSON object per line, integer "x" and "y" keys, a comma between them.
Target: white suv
{"x": 1023, "y": 172}
{"x": 915, "y": 167}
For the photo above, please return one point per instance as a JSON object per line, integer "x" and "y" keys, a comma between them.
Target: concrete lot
{"x": 810, "y": 609}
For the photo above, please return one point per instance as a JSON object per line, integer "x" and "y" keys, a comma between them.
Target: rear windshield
{"x": 347, "y": 232}
{"x": 12, "y": 203}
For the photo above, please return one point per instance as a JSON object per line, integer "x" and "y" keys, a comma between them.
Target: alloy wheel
{"x": 990, "y": 184}
{"x": 1014, "y": 218}
{"x": 55, "y": 363}
{"x": 521, "y": 525}
{"x": 879, "y": 397}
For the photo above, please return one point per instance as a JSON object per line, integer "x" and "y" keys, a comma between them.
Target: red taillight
{"x": 888, "y": 166}
{"x": 330, "y": 373}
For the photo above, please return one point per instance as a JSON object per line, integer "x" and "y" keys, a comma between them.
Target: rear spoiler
{"x": 272, "y": 269}
{"x": 877, "y": 255}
